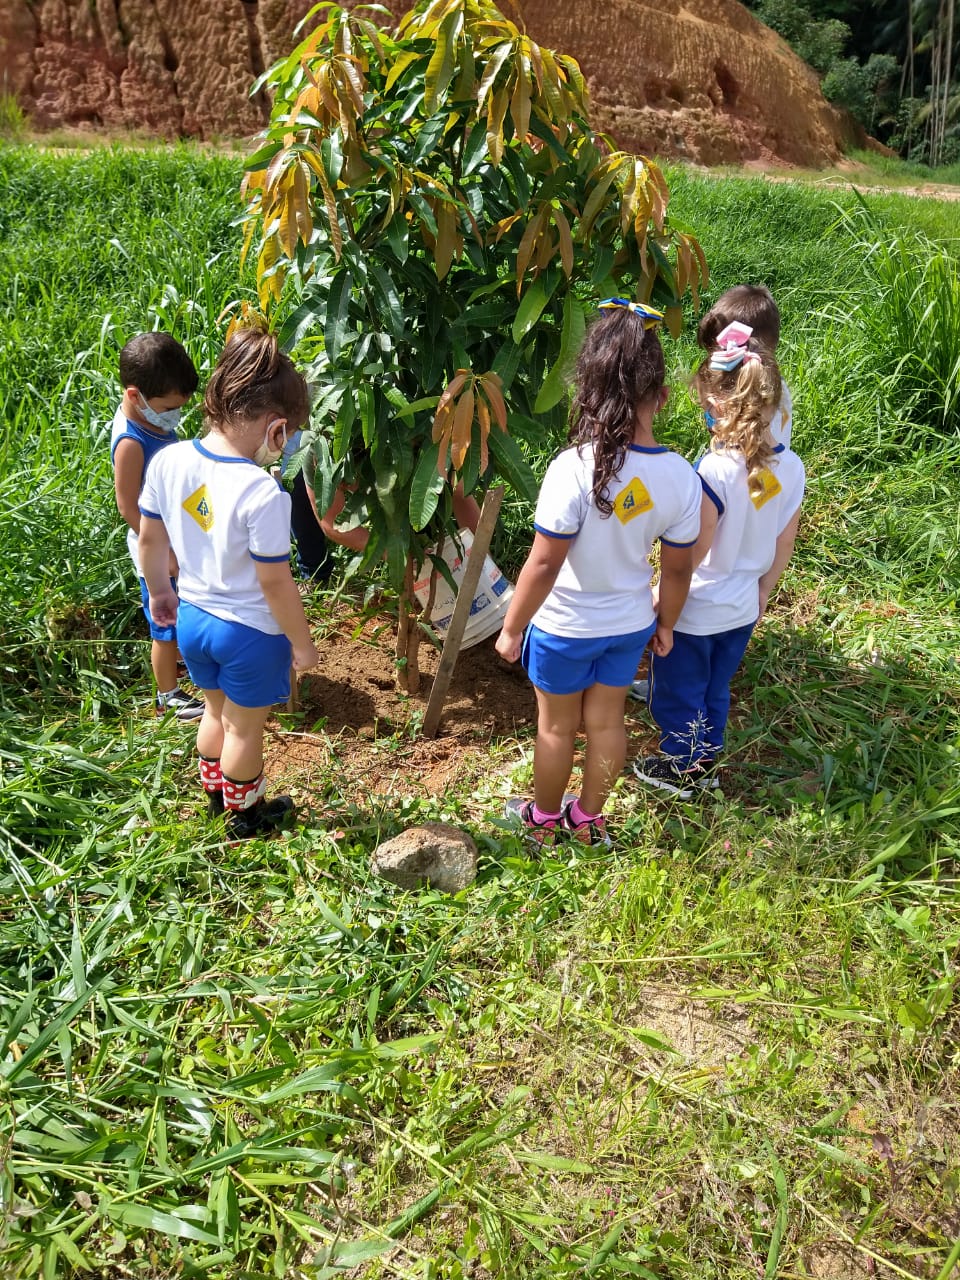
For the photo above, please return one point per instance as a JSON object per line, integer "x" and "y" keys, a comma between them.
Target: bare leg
{"x": 559, "y": 716}
{"x": 242, "y": 755}
{"x": 210, "y": 731}
{"x": 606, "y": 743}
{"x": 163, "y": 660}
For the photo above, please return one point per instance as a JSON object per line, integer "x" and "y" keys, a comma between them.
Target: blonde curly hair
{"x": 742, "y": 402}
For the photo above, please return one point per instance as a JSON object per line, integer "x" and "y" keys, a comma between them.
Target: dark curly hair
{"x": 620, "y": 366}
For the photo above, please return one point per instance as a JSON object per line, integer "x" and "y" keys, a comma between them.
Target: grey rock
{"x": 434, "y": 854}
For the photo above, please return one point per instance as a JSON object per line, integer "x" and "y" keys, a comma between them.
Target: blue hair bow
{"x": 650, "y": 316}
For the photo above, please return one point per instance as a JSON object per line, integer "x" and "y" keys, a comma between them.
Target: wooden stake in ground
{"x": 461, "y": 610}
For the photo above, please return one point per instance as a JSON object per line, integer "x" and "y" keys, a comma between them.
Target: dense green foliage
{"x": 433, "y": 214}
{"x": 728, "y": 1049}
{"x": 892, "y": 64}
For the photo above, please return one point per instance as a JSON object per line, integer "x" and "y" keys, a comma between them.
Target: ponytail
{"x": 740, "y": 394}
{"x": 254, "y": 376}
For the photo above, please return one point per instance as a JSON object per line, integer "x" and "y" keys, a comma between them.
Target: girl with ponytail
{"x": 582, "y": 612}
{"x": 241, "y": 622}
{"x": 753, "y": 488}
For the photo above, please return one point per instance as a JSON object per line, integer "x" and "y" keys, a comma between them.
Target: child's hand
{"x": 764, "y": 599}
{"x": 662, "y": 641}
{"x": 509, "y": 644}
{"x": 163, "y": 608}
{"x": 305, "y": 658}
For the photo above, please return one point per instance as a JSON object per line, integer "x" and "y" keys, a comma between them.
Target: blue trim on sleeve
{"x": 710, "y": 494}
{"x": 665, "y": 542}
{"x": 779, "y": 448}
{"x": 270, "y": 559}
{"x": 152, "y": 515}
{"x": 648, "y": 448}
{"x": 561, "y": 537}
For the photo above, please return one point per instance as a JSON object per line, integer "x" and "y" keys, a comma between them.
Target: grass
{"x": 728, "y": 1050}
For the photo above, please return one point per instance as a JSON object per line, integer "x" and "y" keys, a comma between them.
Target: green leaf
{"x": 512, "y": 465}
{"x": 338, "y": 306}
{"x": 530, "y": 310}
{"x": 392, "y": 312}
{"x": 555, "y": 383}
{"x": 368, "y": 418}
{"x": 442, "y": 64}
{"x": 425, "y": 489}
{"x": 167, "y": 1224}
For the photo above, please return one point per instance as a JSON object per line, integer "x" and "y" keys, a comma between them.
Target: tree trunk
{"x": 407, "y": 603}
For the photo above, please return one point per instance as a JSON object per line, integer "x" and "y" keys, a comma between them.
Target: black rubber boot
{"x": 263, "y": 819}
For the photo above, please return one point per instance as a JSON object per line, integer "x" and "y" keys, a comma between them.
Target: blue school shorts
{"x": 156, "y": 633}
{"x": 251, "y": 667}
{"x": 567, "y": 664}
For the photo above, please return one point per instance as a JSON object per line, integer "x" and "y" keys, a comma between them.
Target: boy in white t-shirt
{"x": 583, "y": 597}
{"x": 753, "y": 487}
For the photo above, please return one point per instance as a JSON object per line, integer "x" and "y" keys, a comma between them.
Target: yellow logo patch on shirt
{"x": 198, "y": 506}
{"x": 771, "y": 487}
{"x": 632, "y": 501}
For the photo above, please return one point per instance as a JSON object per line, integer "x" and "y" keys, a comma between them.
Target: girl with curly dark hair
{"x": 583, "y": 597}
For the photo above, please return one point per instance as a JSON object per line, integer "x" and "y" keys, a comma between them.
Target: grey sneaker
{"x": 181, "y": 704}
{"x": 638, "y": 691}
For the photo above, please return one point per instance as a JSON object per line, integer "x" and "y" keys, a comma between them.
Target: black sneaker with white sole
{"x": 181, "y": 704}
{"x": 666, "y": 774}
{"x": 264, "y": 818}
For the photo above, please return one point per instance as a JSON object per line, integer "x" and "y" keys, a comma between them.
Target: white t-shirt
{"x": 603, "y": 587}
{"x": 725, "y": 592}
{"x": 221, "y": 514}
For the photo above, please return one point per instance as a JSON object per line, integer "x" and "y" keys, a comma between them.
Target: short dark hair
{"x": 750, "y": 304}
{"x": 157, "y": 365}
{"x": 254, "y": 376}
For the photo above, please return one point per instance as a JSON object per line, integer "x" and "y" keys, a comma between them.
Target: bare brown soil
{"x": 354, "y": 727}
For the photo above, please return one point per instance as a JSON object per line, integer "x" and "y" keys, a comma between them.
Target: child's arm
{"x": 354, "y": 539}
{"x": 781, "y": 559}
{"x": 154, "y": 548}
{"x": 709, "y": 519}
{"x": 533, "y": 586}
{"x": 676, "y": 570}
{"x": 280, "y": 593}
{"x": 127, "y": 479}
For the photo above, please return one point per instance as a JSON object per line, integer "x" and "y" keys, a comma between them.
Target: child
{"x": 240, "y": 617}
{"x": 752, "y": 305}
{"x": 158, "y": 378}
{"x": 585, "y": 588}
{"x": 753, "y": 488}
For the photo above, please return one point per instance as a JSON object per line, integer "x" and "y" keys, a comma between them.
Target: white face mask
{"x": 265, "y": 456}
{"x": 166, "y": 420}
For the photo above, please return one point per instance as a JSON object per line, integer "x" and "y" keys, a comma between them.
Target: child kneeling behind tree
{"x": 585, "y": 588}
{"x": 753, "y": 487}
{"x": 241, "y": 619}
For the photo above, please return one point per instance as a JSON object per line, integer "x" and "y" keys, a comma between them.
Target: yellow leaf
{"x": 566, "y": 241}
{"x": 673, "y": 314}
{"x": 448, "y": 238}
{"x": 451, "y": 390}
{"x": 496, "y": 111}
{"x": 492, "y": 386}
{"x": 462, "y": 425}
{"x": 528, "y": 243}
{"x": 483, "y": 419}
{"x": 520, "y": 105}
{"x": 399, "y": 66}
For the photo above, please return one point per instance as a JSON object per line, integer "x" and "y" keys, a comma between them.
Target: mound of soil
{"x": 698, "y": 79}
{"x": 354, "y": 726}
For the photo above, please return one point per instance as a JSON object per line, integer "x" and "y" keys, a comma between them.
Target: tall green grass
{"x": 727, "y": 1049}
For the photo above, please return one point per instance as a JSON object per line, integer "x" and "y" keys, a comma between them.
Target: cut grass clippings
{"x": 727, "y": 1048}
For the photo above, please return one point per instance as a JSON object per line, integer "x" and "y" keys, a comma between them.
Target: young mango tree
{"x": 433, "y": 218}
